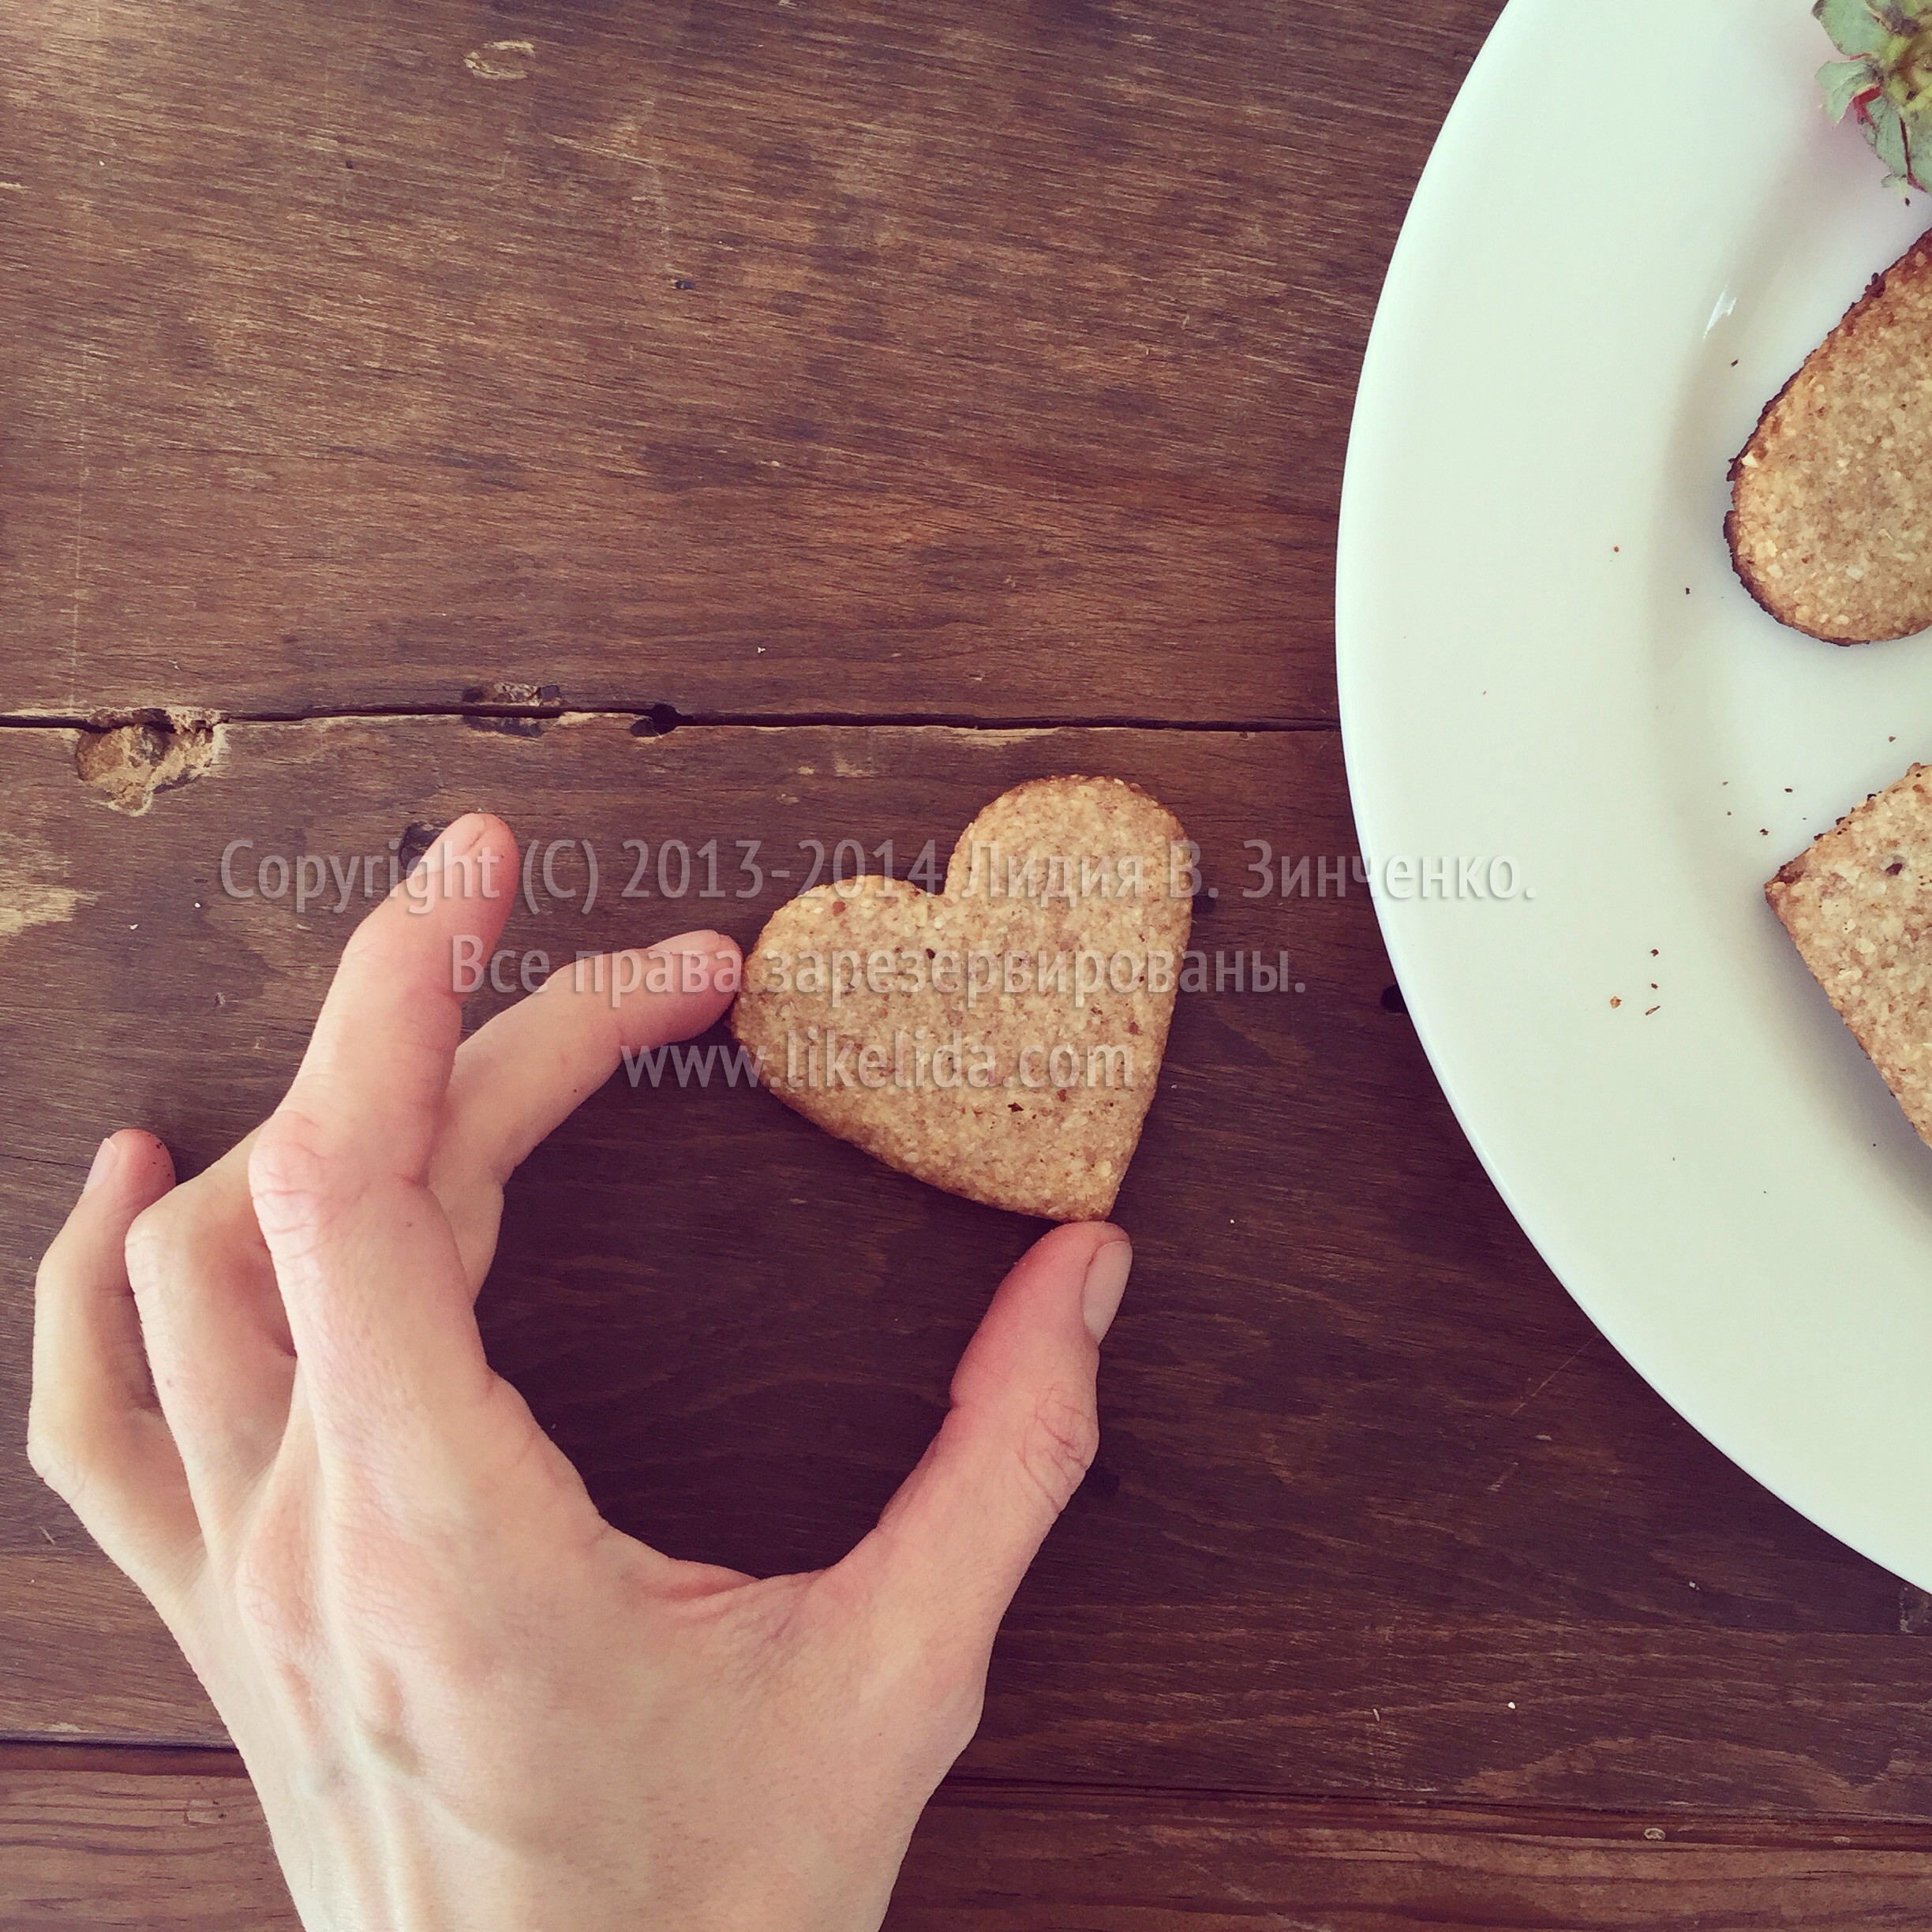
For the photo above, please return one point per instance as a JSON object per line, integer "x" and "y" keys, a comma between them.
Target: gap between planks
{"x": 661, "y": 720}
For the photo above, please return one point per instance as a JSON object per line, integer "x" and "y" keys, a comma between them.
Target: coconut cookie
{"x": 1001, "y": 1038}
{"x": 1859, "y": 905}
{"x": 1831, "y": 518}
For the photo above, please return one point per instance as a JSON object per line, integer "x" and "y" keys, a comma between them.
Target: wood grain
{"x": 987, "y": 1861}
{"x": 1376, "y": 1514}
{"x": 111, "y": 1848}
{"x": 172, "y": 1844}
{"x": 980, "y": 360}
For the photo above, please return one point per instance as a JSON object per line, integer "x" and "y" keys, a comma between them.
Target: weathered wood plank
{"x": 180, "y": 1845}
{"x": 1004, "y": 1861}
{"x": 1368, "y": 1479}
{"x": 1329, "y": 1689}
{"x": 985, "y": 359}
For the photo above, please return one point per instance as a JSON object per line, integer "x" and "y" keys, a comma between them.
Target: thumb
{"x": 949, "y": 1551}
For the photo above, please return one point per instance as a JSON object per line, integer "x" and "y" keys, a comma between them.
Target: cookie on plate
{"x": 1858, "y": 904}
{"x": 1831, "y": 517}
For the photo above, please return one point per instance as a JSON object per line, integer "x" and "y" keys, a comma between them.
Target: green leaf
{"x": 1844, "y": 81}
{"x": 1855, "y": 27}
{"x": 1888, "y": 138}
{"x": 1917, "y": 128}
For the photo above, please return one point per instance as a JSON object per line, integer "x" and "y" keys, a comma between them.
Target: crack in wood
{"x": 660, "y": 720}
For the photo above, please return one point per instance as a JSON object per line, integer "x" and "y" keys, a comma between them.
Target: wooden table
{"x": 783, "y": 419}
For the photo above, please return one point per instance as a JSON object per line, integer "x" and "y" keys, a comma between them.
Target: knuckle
{"x": 161, "y": 1240}
{"x": 54, "y": 1452}
{"x": 61, "y": 1452}
{"x": 931, "y": 1675}
{"x": 379, "y": 1708}
{"x": 1061, "y": 1439}
{"x": 278, "y": 1628}
{"x": 955, "y": 1703}
{"x": 945, "y": 1691}
{"x": 290, "y": 1174}
{"x": 372, "y": 933}
{"x": 49, "y": 1274}
{"x": 269, "y": 1585}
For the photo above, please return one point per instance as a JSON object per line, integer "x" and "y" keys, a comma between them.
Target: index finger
{"x": 378, "y": 1305}
{"x": 377, "y": 1066}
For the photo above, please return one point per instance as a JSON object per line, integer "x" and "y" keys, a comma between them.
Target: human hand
{"x": 466, "y": 1700}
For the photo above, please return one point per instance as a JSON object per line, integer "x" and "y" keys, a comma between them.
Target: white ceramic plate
{"x": 1636, "y": 226}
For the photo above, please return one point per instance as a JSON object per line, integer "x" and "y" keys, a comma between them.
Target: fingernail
{"x": 1106, "y": 1282}
{"x": 702, "y": 941}
{"x": 460, "y": 836}
{"x": 706, "y": 961}
{"x": 452, "y": 866}
{"x": 104, "y": 1158}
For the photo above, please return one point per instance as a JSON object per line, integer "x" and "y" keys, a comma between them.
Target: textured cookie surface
{"x": 1831, "y": 520}
{"x": 1001, "y": 1038}
{"x": 1859, "y": 905}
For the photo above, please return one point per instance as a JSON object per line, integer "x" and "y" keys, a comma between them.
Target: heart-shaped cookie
{"x": 1001, "y": 1038}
